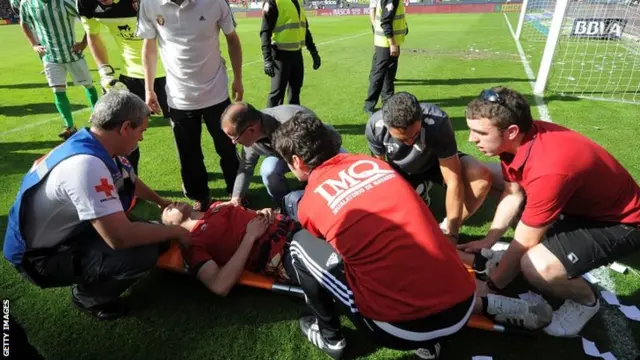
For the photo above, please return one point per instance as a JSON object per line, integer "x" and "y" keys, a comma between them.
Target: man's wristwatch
{"x": 492, "y": 286}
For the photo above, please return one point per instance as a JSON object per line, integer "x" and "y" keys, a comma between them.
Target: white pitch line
{"x": 42, "y": 122}
{"x": 543, "y": 110}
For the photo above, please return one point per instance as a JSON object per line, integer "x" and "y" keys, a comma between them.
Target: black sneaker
{"x": 109, "y": 311}
{"x": 310, "y": 329}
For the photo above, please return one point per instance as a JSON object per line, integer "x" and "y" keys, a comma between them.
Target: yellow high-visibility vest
{"x": 291, "y": 28}
{"x": 399, "y": 26}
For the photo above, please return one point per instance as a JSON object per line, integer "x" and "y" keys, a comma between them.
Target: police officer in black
{"x": 283, "y": 34}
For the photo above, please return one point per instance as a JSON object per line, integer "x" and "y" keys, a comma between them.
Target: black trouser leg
{"x": 280, "y": 81}
{"x": 101, "y": 273}
{"x": 107, "y": 273}
{"x": 322, "y": 280}
{"x": 187, "y": 129}
{"x": 388, "y": 85}
{"x": 136, "y": 86}
{"x": 379, "y": 69}
{"x": 296, "y": 78}
{"x": 229, "y": 162}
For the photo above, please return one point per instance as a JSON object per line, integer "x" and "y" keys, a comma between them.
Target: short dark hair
{"x": 508, "y": 108}
{"x": 244, "y": 114}
{"x": 401, "y": 110}
{"x": 305, "y": 136}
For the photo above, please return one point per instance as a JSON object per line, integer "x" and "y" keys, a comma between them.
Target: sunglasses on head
{"x": 491, "y": 96}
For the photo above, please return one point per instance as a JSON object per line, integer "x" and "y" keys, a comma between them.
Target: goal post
{"x": 550, "y": 46}
{"x": 591, "y": 47}
{"x": 523, "y": 11}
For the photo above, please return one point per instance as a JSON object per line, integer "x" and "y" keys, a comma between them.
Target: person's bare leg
{"x": 545, "y": 272}
{"x": 477, "y": 179}
{"x": 497, "y": 179}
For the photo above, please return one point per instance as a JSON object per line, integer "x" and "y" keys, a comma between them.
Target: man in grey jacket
{"x": 252, "y": 128}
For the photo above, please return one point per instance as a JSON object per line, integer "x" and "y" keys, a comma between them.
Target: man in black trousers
{"x": 283, "y": 34}
{"x": 197, "y": 82}
{"x": 389, "y": 31}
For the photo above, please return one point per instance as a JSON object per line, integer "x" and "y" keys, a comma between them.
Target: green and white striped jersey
{"x": 53, "y": 22}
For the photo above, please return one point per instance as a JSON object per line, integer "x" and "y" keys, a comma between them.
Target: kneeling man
{"x": 582, "y": 207}
{"x": 418, "y": 141}
{"x": 252, "y": 128}
{"x": 68, "y": 224}
{"x": 374, "y": 249}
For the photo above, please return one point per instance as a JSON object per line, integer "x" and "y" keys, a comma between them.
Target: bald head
{"x": 240, "y": 115}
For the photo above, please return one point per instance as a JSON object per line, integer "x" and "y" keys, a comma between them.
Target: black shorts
{"x": 325, "y": 285}
{"x": 433, "y": 175}
{"x": 582, "y": 244}
{"x": 136, "y": 86}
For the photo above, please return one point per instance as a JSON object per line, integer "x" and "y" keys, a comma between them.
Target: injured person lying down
{"x": 227, "y": 239}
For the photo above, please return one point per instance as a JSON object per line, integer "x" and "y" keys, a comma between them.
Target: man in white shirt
{"x": 186, "y": 32}
{"x": 68, "y": 225}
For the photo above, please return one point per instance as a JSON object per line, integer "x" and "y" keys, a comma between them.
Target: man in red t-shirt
{"x": 225, "y": 240}
{"x": 582, "y": 207}
{"x": 381, "y": 254}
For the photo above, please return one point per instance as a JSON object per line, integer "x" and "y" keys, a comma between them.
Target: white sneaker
{"x": 493, "y": 258}
{"x": 432, "y": 354}
{"x": 570, "y": 318}
{"x": 521, "y": 313}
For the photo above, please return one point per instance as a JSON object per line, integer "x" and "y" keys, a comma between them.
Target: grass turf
{"x": 447, "y": 60}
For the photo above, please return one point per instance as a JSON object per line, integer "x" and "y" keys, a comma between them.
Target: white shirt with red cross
{"x": 78, "y": 189}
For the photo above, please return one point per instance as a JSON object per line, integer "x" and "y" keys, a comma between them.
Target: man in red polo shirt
{"x": 372, "y": 246}
{"x": 582, "y": 207}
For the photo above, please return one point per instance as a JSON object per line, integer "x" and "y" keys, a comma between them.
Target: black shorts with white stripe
{"x": 320, "y": 272}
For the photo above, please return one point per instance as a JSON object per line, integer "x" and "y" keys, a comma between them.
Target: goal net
{"x": 591, "y": 48}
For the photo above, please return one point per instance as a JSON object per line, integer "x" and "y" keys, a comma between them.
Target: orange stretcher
{"x": 172, "y": 260}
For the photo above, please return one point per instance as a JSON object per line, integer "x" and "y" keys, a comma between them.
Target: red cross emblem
{"x": 104, "y": 187}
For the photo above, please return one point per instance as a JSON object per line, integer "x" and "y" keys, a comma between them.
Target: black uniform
{"x": 384, "y": 66}
{"x": 285, "y": 68}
